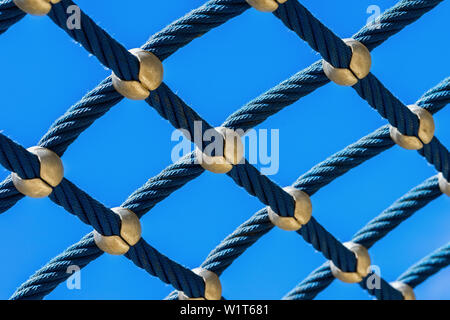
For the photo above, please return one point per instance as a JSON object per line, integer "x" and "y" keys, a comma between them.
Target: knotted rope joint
{"x": 51, "y": 175}
{"x": 35, "y": 7}
{"x": 426, "y": 130}
{"x": 359, "y": 68}
{"x": 150, "y": 77}
{"x": 130, "y": 233}
{"x": 213, "y": 287}
{"x": 302, "y": 212}
{"x": 362, "y": 264}
{"x": 406, "y": 291}
{"x": 231, "y": 153}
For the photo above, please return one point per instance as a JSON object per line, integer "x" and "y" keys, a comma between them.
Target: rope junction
{"x": 138, "y": 74}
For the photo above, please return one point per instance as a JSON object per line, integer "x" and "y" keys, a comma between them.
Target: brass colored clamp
{"x": 426, "y": 130}
{"x": 265, "y": 5}
{"x": 130, "y": 233}
{"x": 213, "y": 288}
{"x": 406, "y": 291}
{"x": 302, "y": 212}
{"x": 35, "y": 7}
{"x": 51, "y": 174}
{"x": 233, "y": 152}
{"x": 359, "y": 65}
{"x": 362, "y": 264}
{"x": 150, "y": 77}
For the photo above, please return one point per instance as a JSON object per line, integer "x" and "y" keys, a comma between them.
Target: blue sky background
{"x": 45, "y": 72}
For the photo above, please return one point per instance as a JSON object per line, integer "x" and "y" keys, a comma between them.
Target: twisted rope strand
{"x": 310, "y": 182}
{"x": 54, "y": 272}
{"x": 384, "y": 292}
{"x": 193, "y": 25}
{"x": 437, "y": 155}
{"x": 146, "y": 257}
{"x": 428, "y": 266}
{"x": 140, "y": 202}
{"x": 387, "y": 105}
{"x": 102, "y": 98}
{"x": 9, "y": 15}
{"x": 107, "y": 223}
{"x": 297, "y": 18}
{"x": 308, "y": 80}
{"x": 398, "y": 212}
{"x": 97, "y": 42}
{"x": 223, "y": 259}
{"x": 436, "y": 98}
{"x": 17, "y": 159}
{"x": 393, "y": 20}
{"x": 374, "y": 231}
{"x": 269, "y": 193}
{"x": 300, "y": 20}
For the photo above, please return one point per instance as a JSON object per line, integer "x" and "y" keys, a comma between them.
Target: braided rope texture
{"x": 96, "y": 103}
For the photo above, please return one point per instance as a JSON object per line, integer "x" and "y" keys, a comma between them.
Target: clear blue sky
{"x": 45, "y": 72}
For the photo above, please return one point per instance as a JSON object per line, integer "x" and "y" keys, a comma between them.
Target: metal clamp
{"x": 35, "y": 7}
{"x": 213, "y": 287}
{"x": 359, "y": 65}
{"x": 150, "y": 77}
{"x": 51, "y": 174}
{"x": 265, "y": 5}
{"x": 233, "y": 153}
{"x": 302, "y": 212}
{"x": 362, "y": 264}
{"x": 426, "y": 130}
{"x": 130, "y": 233}
{"x": 406, "y": 291}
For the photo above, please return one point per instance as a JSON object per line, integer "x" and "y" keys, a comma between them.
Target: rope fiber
{"x": 296, "y": 17}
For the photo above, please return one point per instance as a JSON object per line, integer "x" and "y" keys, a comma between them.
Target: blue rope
{"x": 387, "y": 105}
{"x": 437, "y": 154}
{"x": 315, "y": 283}
{"x": 320, "y": 38}
{"x": 436, "y": 98}
{"x": 193, "y": 25}
{"x": 341, "y": 162}
{"x": 398, "y": 212}
{"x": 107, "y": 223}
{"x": 9, "y": 15}
{"x": 146, "y": 257}
{"x": 171, "y": 107}
{"x": 426, "y": 267}
{"x": 17, "y": 159}
{"x": 316, "y": 178}
{"x": 97, "y": 42}
{"x": 384, "y": 292}
{"x": 178, "y": 174}
{"x": 101, "y": 99}
{"x": 55, "y": 271}
{"x": 163, "y": 185}
{"x": 86, "y": 208}
{"x": 9, "y": 195}
{"x": 80, "y": 116}
{"x": 269, "y": 193}
{"x": 277, "y": 98}
{"x": 375, "y": 230}
{"x": 393, "y": 20}
{"x": 140, "y": 202}
{"x": 328, "y": 245}
{"x": 297, "y": 18}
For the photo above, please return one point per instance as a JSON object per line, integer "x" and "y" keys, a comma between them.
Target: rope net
{"x": 27, "y": 166}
